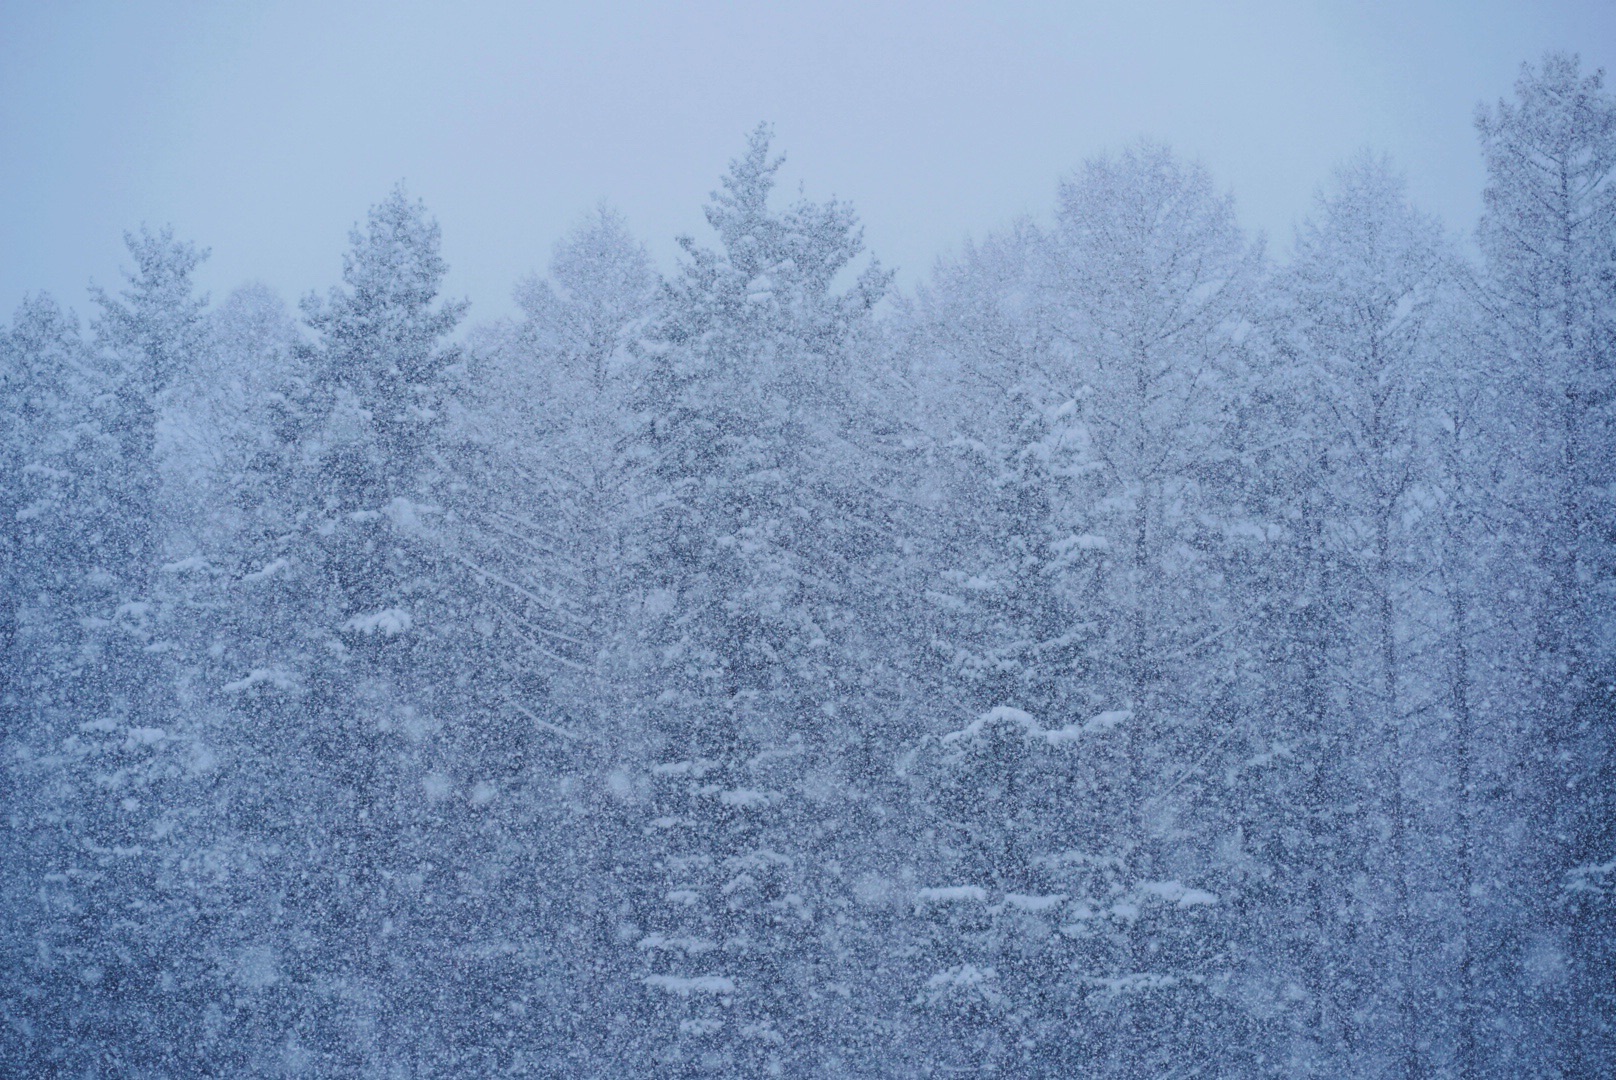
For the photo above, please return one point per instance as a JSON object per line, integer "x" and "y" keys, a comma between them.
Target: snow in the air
{"x": 1131, "y": 646}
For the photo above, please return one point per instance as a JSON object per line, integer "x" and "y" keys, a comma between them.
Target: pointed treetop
{"x": 392, "y": 272}
{"x": 394, "y": 262}
{"x": 157, "y": 320}
{"x": 739, "y": 213}
{"x": 601, "y": 258}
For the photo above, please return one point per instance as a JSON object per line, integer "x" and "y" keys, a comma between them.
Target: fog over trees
{"x": 1134, "y": 653}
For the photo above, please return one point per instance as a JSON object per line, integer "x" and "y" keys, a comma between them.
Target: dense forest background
{"x": 1128, "y": 656}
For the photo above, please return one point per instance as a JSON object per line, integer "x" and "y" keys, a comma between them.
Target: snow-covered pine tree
{"x": 1290, "y": 792}
{"x": 50, "y": 384}
{"x": 154, "y": 334}
{"x": 108, "y": 767}
{"x": 990, "y": 982}
{"x": 1009, "y": 539}
{"x": 376, "y": 724}
{"x": 54, "y": 455}
{"x": 549, "y": 415}
{"x": 239, "y": 445}
{"x": 752, "y": 596}
{"x": 1470, "y": 554}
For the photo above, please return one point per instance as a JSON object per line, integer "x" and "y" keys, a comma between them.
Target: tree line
{"x": 1128, "y": 655}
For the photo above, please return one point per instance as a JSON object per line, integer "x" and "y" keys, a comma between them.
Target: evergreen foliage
{"x": 1130, "y": 655}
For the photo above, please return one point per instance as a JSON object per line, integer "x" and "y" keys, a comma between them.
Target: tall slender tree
{"x": 1367, "y": 284}
{"x": 1155, "y": 282}
{"x": 1549, "y": 234}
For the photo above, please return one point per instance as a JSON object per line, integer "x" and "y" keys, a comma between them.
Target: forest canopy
{"x": 1127, "y": 654}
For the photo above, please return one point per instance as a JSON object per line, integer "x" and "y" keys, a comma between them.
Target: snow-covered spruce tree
{"x": 1024, "y": 913}
{"x": 238, "y": 441}
{"x": 151, "y": 337}
{"x": 1288, "y": 790}
{"x": 352, "y": 706}
{"x": 50, "y": 384}
{"x": 751, "y": 612}
{"x": 1154, "y": 282}
{"x": 108, "y": 767}
{"x": 1009, "y": 537}
{"x": 1370, "y": 289}
{"x": 1549, "y": 236}
{"x": 1001, "y": 935}
{"x": 54, "y": 456}
{"x": 154, "y": 334}
{"x": 1292, "y": 799}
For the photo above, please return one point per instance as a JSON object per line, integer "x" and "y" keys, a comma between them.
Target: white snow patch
{"x": 1085, "y": 542}
{"x": 1107, "y": 720}
{"x": 697, "y": 768}
{"x": 1080, "y": 858}
{"x": 1003, "y": 714}
{"x": 268, "y": 570}
{"x": 953, "y": 894}
{"x": 388, "y": 622}
{"x": 1175, "y": 892}
{"x": 1033, "y": 903}
{"x": 690, "y": 946}
{"x": 275, "y": 677}
{"x": 763, "y": 1031}
{"x": 1595, "y": 878}
{"x": 620, "y": 783}
{"x": 698, "y": 984}
{"x": 1068, "y": 734}
{"x": 743, "y": 798}
{"x": 405, "y": 515}
{"x": 760, "y": 289}
{"x": 1082, "y": 911}
{"x": 757, "y": 860}
{"x": 964, "y": 975}
{"x": 965, "y": 980}
{"x": 740, "y": 881}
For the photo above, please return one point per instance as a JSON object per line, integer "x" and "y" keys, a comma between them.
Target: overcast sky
{"x": 265, "y": 130}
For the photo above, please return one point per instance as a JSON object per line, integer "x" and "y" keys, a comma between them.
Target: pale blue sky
{"x": 264, "y": 130}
